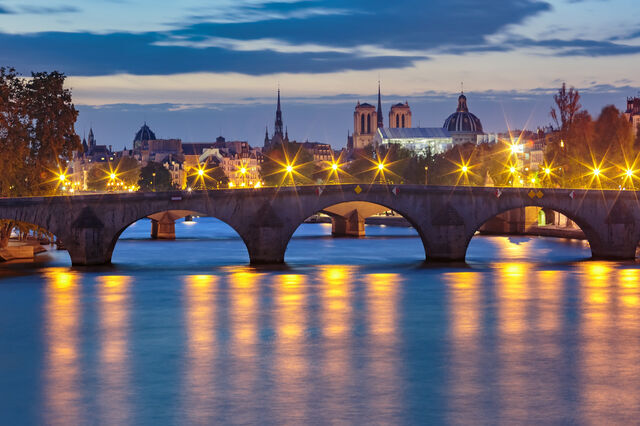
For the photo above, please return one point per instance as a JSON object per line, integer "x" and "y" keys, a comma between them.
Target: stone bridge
{"x": 446, "y": 218}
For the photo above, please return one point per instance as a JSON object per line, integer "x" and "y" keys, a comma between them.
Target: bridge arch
{"x": 483, "y": 218}
{"x": 51, "y": 234}
{"x": 182, "y": 214}
{"x": 352, "y": 212}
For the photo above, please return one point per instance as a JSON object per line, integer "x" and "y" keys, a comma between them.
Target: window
{"x": 403, "y": 120}
{"x": 368, "y": 123}
{"x": 361, "y": 123}
{"x": 398, "y": 121}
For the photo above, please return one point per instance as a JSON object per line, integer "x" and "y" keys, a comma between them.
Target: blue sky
{"x": 194, "y": 69}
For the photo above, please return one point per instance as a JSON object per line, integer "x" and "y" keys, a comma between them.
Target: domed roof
{"x": 144, "y": 134}
{"x": 462, "y": 120}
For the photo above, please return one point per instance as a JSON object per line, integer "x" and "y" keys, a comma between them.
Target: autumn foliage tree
{"x": 37, "y": 136}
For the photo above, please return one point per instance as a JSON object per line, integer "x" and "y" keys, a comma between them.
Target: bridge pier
{"x": 613, "y": 242}
{"x": 445, "y": 243}
{"x": 351, "y": 225}
{"x": 266, "y": 245}
{"x": 163, "y": 229}
{"x": 88, "y": 247}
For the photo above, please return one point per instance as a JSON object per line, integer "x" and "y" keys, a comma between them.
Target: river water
{"x": 350, "y": 331}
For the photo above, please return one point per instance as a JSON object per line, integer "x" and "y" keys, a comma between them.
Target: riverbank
{"x": 18, "y": 250}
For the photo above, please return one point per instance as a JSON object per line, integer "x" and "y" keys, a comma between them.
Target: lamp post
{"x": 154, "y": 181}
{"x": 426, "y": 175}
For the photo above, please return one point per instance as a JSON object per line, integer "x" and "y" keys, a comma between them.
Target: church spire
{"x": 380, "y": 118}
{"x": 278, "y": 124}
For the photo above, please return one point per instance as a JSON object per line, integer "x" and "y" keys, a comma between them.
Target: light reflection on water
{"x": 504, "y": 340}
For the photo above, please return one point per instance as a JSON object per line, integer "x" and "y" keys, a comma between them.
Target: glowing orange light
{"x": 464, "y": 169}
{"x": 512, "y": 169}
{"x": 243, "y": 170}
{"x": 62, "y": 177}
{"x": 334, "y": 166}
{"x": 200, "y": 172}
{"x": 289, "y": 168}
{"x": 596, "y": 172}
{"x": 112, "y": 176}
{"x": 547, "y": 171}
{"x": 629, "y": 173}
{"x": 380, "y": 166}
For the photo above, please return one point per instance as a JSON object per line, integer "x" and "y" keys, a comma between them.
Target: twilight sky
{"x": 194, "y": 69}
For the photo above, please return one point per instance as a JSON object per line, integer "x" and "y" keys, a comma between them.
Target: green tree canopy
{"x": 154, "y": 177}
{"x": 125, "y": 171}
{"x": 212, "y": 177}
{"x": 302, "y": 169}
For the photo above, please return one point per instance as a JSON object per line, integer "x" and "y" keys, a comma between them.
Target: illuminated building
{"x": 633, "y": 112}
{"x": 400, "y": 116}
{"x": 463, "y": 126}
{"x": 421, "y": 140}
{"x": 366, "y": 120}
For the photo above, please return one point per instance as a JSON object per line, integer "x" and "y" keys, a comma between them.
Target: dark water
{"x": 352, "y": 331}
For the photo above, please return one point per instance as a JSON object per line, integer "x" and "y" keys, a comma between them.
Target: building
{"x": 400, "y": 116}
{"x": 321, "y": 151}
{"x": 142, "y": 137}
{"x": 422, "y": 140}
{"x": 463, "y": 126}
{"x": 278, "y": 135}
{"x": 633, "y": 112}
{"x": 82, "y": 161}
{"x": 366, "y": 120}
{"x": 239, "y": 162}
{"x": 192, "y": 151}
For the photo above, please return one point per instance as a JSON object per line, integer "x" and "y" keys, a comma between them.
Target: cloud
{"x": 47, "y": 10}
{"x": 4, "y": 10}
{"x": 301, "y": 36}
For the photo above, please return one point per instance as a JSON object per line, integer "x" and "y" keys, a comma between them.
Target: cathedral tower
{"x": 400, "y": 116}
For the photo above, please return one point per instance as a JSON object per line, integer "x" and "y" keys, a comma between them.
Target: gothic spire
{"x": 278, "y": 124}
{"x": 380, "y": 118}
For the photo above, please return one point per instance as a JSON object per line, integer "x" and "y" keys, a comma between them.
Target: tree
{"x": 37, "y": 136}
{"x": 125, "y": 169}
{"x": 52, "y": 117}
{"x": 14, "y": 136}
{"x": 613, "y": 136}
{"x": 568, "y": 104}
{"x": 154, "y": 177}
{"x": 212, "y": 178}
{"x": 288, "y": 164}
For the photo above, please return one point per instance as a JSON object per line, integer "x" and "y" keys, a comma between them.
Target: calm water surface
{"x": 351, "y": 331}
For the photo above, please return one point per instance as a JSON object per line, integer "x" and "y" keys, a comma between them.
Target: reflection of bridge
{"x": 446, "y": 218}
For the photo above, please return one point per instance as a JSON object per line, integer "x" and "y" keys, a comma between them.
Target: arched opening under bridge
{"x": 28, "y": 242}
{"x": 529, "y": 234}
{"x": 383, "y": 235}
{"x": 197, "y": 239}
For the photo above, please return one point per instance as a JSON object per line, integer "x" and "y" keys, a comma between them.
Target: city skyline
{"x": 196, "y": 71}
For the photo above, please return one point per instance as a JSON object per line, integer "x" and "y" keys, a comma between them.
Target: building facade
{"x": 633, "y": 112}
{"x": 421, "y": 140}
{"x": 400, "y": 116}
{"x": 463, "y": 126}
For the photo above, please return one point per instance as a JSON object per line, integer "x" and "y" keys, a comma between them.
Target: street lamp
{"x": 154, "y": 181}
